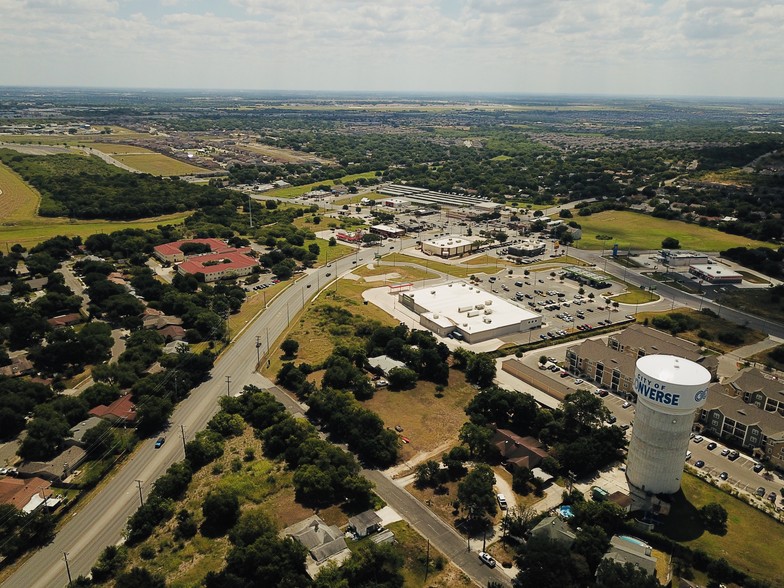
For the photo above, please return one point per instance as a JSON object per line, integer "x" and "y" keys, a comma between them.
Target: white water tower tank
{"x": 669, "y": 390}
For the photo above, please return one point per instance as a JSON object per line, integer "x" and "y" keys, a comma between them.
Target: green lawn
{"x": 639, "y": 231}
{"x": 753, "y": 540}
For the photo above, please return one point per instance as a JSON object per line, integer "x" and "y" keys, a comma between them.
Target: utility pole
{"x": 141, "y": 497}
{"x": 258, "y": 353}
{"x": 182, "y": 430}
{"x": 67, "y": 567}
{"x": 268, "y": 347}
{"x": 427, "y": 559}
{"x": 228, "y": 385}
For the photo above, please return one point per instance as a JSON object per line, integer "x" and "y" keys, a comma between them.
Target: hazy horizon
{"x": 609, "y": 48}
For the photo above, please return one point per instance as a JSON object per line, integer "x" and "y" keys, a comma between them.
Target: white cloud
{"x": 619, "y": 46}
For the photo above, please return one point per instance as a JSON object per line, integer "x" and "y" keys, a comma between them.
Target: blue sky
{"x": 637, "y": 47}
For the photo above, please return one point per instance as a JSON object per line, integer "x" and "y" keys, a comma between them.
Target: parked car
{"x": 578, "y": 381}
{"x": 712, "y": 446}
{"x": 699, "y": 463}
{"x": 725, "y": 452}
{"x": 723, "y": 476}
{"x": 698, "y": 438}
{"x": 502, "y": 501}
{"x": 758, "y": 467}
{"x": 487, "y": 559}
{"x": 627, "y": 404}
{"x": 760, "y": 492}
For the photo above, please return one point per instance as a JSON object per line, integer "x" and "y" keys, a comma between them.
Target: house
{"x": 517, "y": 451}
{"x": 365, "y": 523}
{"x": 172, "y": 333}
{"x": 621, "y": 499}
{"x": 22, "y": 492}
{"x": 625, "y": 549}
{"x": 78, "y": 431}
{"x": 324, "y": 542}
{"x": 555, "y": 529}
{"x": 37, "y": 284}
{"x": 122, "y": 410}
{"x": 383, "y": 364}
{"x": 20, "y": 366}
{"x": 65, "y": 320}
{"x": 56, "y": 469}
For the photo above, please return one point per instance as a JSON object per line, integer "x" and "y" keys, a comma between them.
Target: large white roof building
{"x": 473, "y": 314}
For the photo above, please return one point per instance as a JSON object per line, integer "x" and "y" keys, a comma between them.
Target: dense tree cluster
{"x": 87, "y": 187}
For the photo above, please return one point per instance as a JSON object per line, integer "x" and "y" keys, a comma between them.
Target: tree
{"x": 545, "y": 563}
{"x": 152, "y": 414}
{"x": 401, "y": 378}
{"x": 290, "y": 347}
{"x": 616, "y": 575}
{"x": 427, "y": 474}
{"x": 477, "y": 438}
{"x": 714, "y": 517}
{"x": 139, "y": 577}
{"x": 476, "y": 493}
{"x": 480, "y": 370}
{"x": 221, "y": 509}
{"x": 670, "y": 243}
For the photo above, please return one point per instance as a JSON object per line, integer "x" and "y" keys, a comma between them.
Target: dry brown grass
{"x": 429, "y": 422}
{"x": 18, "y": 200}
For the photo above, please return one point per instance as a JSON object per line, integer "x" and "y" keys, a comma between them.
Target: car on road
{"x": 487, "y": 559}
{"x": 758, "y": 467}
{"x": 159, "y": 443}
{"x": 712, "y": 446}
{"x": 723, "y": 476}
{"x": 328, "y": 274}
{"x": 725, "y": 452}
{"x": 502, "y": 501}
{"x": 699, "y": 463}
{"x": 698, "y": 439}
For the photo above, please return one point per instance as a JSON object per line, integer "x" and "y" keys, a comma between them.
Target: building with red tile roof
{"x": 517, "y": 451}
{"x": 172, "y": 333}
{"x": 65, "y": 320}
{"x": 18, "y": 491}
{"x": 171, "y": 251}
{"x": 121, "y": 410}
{"x": 216, "y": 266}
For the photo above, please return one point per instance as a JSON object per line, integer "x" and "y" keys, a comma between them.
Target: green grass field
{"x": 753, "y": 540}
{"x": 294, "y": 191}
{"x": 638, "y": 231}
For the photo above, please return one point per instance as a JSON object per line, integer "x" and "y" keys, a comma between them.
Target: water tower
{"x": 669, "y": 390}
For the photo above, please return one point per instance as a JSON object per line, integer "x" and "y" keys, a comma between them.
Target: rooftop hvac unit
{"x": 464, "y": 308}
{"x": 433, "y": 292}
{"x": 487, "y": 320}
{"x": 479, "y": 306}
{"x": 435, "y": 317}
{"x": 488, "y": 311}
{"x": 474, "y": 313}
{"x": 488, "y": 302}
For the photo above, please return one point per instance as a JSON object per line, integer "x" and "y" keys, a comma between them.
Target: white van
{"x": 688, "y": 455}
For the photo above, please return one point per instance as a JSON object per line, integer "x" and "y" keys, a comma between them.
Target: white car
{"x": 698, "y": 438}
{"x": 578, "y": 381}
{"x": 502, "y": 501}
{"x": 627, "y": 404}
{"x": 487, "y": 559}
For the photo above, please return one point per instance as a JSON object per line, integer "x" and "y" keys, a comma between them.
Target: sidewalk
{"x": 728, "y": 363}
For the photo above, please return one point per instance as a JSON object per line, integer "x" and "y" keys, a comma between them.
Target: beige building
{"x": 747, "y": 411}
{"x": 451, "y": 246}
{"x": 612, "y": 366}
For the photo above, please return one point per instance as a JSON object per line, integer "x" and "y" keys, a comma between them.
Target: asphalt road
{"x": 101, "y": 521}
{"x": 441, "y": 536}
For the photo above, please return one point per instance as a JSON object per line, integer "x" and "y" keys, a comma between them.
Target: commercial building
{"x": 468, "y": 312}
{"x": 669, "y": 391}
{"x": 678, "y": 258}
{"x": 396, "y": 202}
{"x": 747, "y": 411}
{"x": 584, "y": 276}
{"x": 715, "y": 273}
{"x": 450, "y": 246}
{"x": 612, "y": 366}
{"x": 528, "y": 248}
{"x": 349, "y": 236}
{"x": 387, "y": 231}
{"x": 216, "y": 266}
